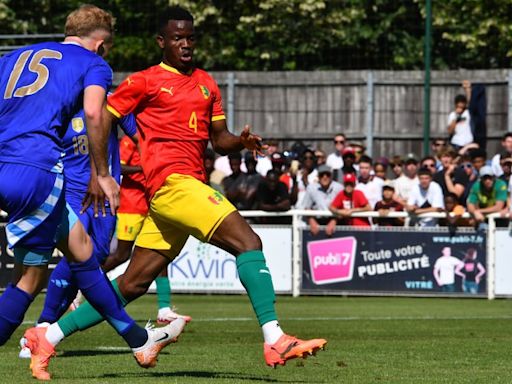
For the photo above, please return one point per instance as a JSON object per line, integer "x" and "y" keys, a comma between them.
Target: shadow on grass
{"x": 99, "y": 352}
{"x": 202, "y": 374}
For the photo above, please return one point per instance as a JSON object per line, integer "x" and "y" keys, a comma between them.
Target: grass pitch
{"x": 370, "y": 340}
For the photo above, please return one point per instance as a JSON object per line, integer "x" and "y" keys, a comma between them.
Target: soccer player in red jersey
{"x": 132, "y": 211}
{"x": 178, "y": 108}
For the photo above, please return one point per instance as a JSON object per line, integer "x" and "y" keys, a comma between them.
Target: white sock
{"x": 54, "y": 334}
{"x": 271, "y": 332}
{"x": 44, "y": 324}
{"x": 163, "y": 312}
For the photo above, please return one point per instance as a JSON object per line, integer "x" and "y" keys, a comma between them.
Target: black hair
{"x": 453, "y": 196}
{"x": 172, "y": 13}
{"x": 366, "y": 159}
{"x": 478, "y": 152}
{"x": 235, "y": 156}
{"x": 460, "y": 99}
{"x": 424, "y": 171}
{"x": 506, "y": 135}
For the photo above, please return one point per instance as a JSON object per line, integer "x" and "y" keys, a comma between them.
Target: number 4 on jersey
{"x": 192, "y": 122}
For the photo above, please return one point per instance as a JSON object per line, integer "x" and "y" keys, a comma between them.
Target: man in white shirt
{"x": 335, "y": 159}
{"x": 369, "y": 185}
{"x": 426, "y": 197}
{"x": 506, "y": 143}
{"x": 445, "y": 269}
{"x": 407, "y": 181}
{"x": 459, "y": 124}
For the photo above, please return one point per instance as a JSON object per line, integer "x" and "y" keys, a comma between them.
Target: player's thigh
{"x": 73, "y": 239}
{"x": 190, "y": 205}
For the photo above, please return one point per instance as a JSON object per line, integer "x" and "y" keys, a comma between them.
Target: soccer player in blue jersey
{"x": 41, "y": 87}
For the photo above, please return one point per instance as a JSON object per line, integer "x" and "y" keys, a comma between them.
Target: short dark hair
{"x": 453, "y": 196}
{"x": 478, "y": 152}
{"x": 366, "y": 159}
{"x": 172, "y": 13}
{"x": 424, "y": 171}
{"x": 460, "y": 99}
{"x": 506, "y": 136}
{"x": 235, "y": 156}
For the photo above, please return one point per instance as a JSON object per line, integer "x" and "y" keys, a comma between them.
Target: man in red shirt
{"x": 132, "y": 211}
{"x": 350, "y": 200}
{"x": 178, "y": 108}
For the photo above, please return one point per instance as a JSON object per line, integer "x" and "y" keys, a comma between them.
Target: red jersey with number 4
{"x": 133, "y": 185}
{"x": 173, "y": 113}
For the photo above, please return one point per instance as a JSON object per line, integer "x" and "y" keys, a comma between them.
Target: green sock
{"x": 256, "y": 279}
{"x": 163, "y": 291}
{"x": 85, "y": 316}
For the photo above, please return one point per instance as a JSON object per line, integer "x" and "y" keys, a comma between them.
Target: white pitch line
{"x": 345, "y": 318}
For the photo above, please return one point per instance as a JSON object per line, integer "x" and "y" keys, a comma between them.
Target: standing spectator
{"x": 319, "y": 196}
{"x": 488, "y": 195}
{"x": 335, "y": 159}
{"x": 265, "y": 162}
{"x": 359, "y": 150}
{"x": 273, "y": 196}
{"x": 451, "y": 178}
{"x": 438, "y": 145}
{"x": 472, "y": 271}
{"x": 214, "y": 177}
{"x": 369, "y": 185}
{"x": 426, "y": 196}
{"x": 409, "y": 179}
{"x": 380, "y": 169}
{"x": 459, "y": 124}
{"x": 506, "y": 144}
{"x": 349, "y": 159}
{"x": 386, "y": 205}
{"x": 348, "y": 201}
{"x": 445, "y": 269}
{"x": 396, "y": 166}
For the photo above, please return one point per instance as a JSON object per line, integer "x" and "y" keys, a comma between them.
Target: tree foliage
{"x": 297, "y": 34}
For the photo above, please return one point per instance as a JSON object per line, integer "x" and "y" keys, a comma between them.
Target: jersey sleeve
{"x": 99, "y": 73}
{"x": 128, "y": 125}
{"x": 128, "y": 95}
{"x": 217, "y": 111}
{"x": 126, "y": 149}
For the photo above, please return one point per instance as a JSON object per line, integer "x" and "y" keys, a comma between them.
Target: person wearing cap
{"x": 348, "y": 201}
{"x": 349, "y": 159}
{"x": 320, "y": 157}
{"x": 319, "y": 196}
{"x": 425, "y": 197}
{"x": 408, "y": 181}
{"x": 386, "y": 205}
{"x": 369, "y": 185}
{"x": 335, "y": 159}
{"x": 488, "y": 195}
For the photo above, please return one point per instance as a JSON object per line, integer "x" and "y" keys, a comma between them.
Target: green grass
{"x": 371, "y": 340}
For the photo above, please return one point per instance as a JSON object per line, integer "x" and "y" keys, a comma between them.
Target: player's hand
{"x": 252, "y": 142}
{"x": 111, "y": 189}
{"x": 94, "y": 196}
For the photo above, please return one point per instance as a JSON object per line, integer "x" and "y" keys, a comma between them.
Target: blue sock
{"x": 60, "y": 293}
{"x": 99, "y": 292}
{"x": 13, "y": 305}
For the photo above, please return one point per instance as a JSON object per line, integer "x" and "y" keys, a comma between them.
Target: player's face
{"x": 178, "y": 43}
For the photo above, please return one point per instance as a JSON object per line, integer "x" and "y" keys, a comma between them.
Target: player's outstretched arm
{"x": 224, "y": 142}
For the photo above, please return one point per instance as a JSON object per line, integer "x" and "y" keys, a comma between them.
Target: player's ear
{"x": 160, "y": 41}
{"x": 99, "y": 47}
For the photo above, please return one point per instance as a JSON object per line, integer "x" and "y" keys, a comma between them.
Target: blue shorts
{"x": 101, "y": 229}
{"x": 34, "y": 200}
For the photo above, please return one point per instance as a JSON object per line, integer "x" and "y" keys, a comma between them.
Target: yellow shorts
{"x": 183, "y": 206}
{"x": 129, "y": 225}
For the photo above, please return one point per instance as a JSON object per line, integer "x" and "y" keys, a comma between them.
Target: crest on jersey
{"x": 205, "y": 91}
{"x": 77, "y": 123}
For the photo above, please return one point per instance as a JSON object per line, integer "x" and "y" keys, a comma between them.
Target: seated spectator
{"x": 488, "y": 195}
{"x": 429, "y": 162}
{"x": 265, "y": 162}
{"x": 396, "y": 166}
{"x": 349, "y": 159}
{"x": 451, "y": 178}
{"x": 335, "y": 159}
{"x": 408, "y": 181}
{"x": 320, "y": 157}
{"x": 438, "y": 145}
{"x": 369, "y": 185}
{"x": 319, "y": 196}
{"x": 359, "y": 150}
{"x": 471, "y": 166}
{"x": 454, "y": 211}
{"x": 348, "y": 201}
{"x": 380, "y": 168}
{"x": 307, "y": 173}
{"x": 506, "y": 166}
{"x": 425, "y": 197}
{"x": 253, "y": 179}
{"x": 386, "y": 205}
{"x": 272, "y": 196}
{"x": 213, "y": 176}
{"x": 459, "y": 124}
{"x": 235, "y": 185}
{"x": 506, "y": 144}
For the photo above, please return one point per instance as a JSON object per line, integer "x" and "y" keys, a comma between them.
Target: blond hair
{"x": 87, "y": 19}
